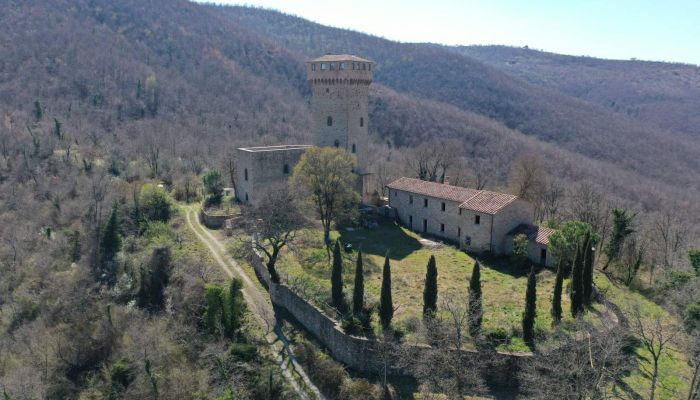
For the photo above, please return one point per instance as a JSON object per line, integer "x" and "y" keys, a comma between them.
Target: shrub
{"x": 213, "y": 187}
{"x": 497, "y": 336}
{"x": 243, "y": 351}
{"x": 354, "y": 389}
{"x": 154, "y": 203}
{"x": 330, "y": 377}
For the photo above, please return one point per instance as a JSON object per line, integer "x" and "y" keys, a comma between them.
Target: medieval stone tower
{"x": 340, "y": 89}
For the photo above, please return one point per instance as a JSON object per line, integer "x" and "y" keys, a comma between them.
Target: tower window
{"x": 362, "y": 121}
{"x": 410, "y": 199}
{"x": 246, "y": 197}
{"x": 425, "y": 203}
{"x": 442, "y": 227}
{"x": 329, "y": 121}
{"x": 285, "y": 169}
{"x": 353, "y": 148}
{"x": 459, "y": 232}
{"x": 245, "y": 174}
{"x": 336, "y": 143}
{"x": 477, "y": 219}
{"x": 442, "y": 207}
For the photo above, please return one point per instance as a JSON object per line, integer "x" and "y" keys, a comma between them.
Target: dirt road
{"x": 258, "y": 302}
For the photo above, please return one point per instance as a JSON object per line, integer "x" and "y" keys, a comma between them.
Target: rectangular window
{"x": 313, "y": 67}
{"x": 425, "y": 225}
{"x": 442, "y": 227}
{"x": 459, "y": 232}
{"x": 410, "y": 199}
{"x": 396, "y": 194}
{"x": 332, "y": 66}
{"x": 324, "y": 66}
{"x": 425, "y": 203}
{"x": 460, "y": 211}
{"x": 410, "y": 221}
{"x": 342, "y": 65}
{"x": 477, "y": 219}
{"x": 443, "y": 206}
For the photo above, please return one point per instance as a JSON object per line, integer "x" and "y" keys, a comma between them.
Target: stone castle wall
{"x": 261, "y": 168}
{"x": 361, "y": 354}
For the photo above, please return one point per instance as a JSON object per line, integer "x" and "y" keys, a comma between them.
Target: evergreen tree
{"x": 154, "y": 279}
{"x": 337, "y": 277}
{"x": 38, "y": 110}
{"x": 57, "y": 128}
{"x": 233, "y": 308}
{"x": 386, "y": 304}
{"x": 556, "y": 297}
{"x": 213, "y": 294}
{"x": 111, "y": 241}
{"x": 622, "y": 227}
{"x": 577, "y": 300}
{"x": 430, "y": 291}
{"x": 530, "y": 309}
{"x": 588, "y": 273}
{"x": 476, "y": 312}
{"x": 358, "y": 293}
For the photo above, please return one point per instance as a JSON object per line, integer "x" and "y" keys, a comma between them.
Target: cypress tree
{"x": 233, "y": 308}
{"x": 214, "y": 310}
{"x": 530, "y": 309}
{"x": 556, "y": 298}
{"x": 111, "y": 241}
{"x": 337, "y": 277}
{"x": 358, "y": 293}
{"x": 430, "y": 290}
{"x": 577, "y": 302}
{"x": 386, "y": 304}
{"x": 588, "y": 274}
{"x": 475, "y": 308}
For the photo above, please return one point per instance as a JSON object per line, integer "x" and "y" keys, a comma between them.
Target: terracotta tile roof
{"x": 482, "y": 201}
{"x": 339, "y": 57}
{"x": 488, "y": 202}
{"x": 534, "y": 233}
{"x": 433, "y": 189}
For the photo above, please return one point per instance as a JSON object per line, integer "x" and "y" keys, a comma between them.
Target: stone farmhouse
{"x": 339, "y": 103}
{"x": 476, "y": 220}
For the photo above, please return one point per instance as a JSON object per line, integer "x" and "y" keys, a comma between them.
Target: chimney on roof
{"x": 447, "y": 180}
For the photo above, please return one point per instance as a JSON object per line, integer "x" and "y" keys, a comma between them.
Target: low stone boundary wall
{"x": 213, "y": 221}
{"x": 360, "y": 353}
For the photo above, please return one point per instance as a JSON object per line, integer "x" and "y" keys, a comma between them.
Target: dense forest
{"x": 109, "y": 108}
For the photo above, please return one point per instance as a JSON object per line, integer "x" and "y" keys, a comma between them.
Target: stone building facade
{"x": 339, "y": 108}
{"x": 475, "y": 220}
{"x": 261, "y": 168}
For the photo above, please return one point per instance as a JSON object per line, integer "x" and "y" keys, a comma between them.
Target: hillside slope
{"x": 436, "y": 73}
{"x": 196, "y": 80}
{"x": 664, "y": 94}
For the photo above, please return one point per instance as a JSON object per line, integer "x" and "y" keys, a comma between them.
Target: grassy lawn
{"x": 503, "y": 286}
{"x": 674, "y": 371}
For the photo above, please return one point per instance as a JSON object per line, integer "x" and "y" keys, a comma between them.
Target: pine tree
{"x": 530, "y": 309}
{"x": 38, "y": 110}
{"x": 475, "y": 308}
{"x": 337, "y": 277}
{"x": 588, "y": 274}
{"x": 111, "y": 241}
{"x": 358, "y": 293}
{"x": 213, "y": 313}
{"x": 556, "y": 298}
{"x": 430, "y": 291}
{"x": 386, "y": 304}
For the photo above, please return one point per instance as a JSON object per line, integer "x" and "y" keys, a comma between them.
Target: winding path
{"x": 259, "y": 303}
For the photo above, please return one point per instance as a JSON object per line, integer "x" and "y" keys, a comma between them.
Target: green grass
{"x": 503, "y": 286}
{"x": 674, "y": 372}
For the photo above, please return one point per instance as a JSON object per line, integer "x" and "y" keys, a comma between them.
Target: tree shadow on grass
{"x": 503, "y": 264}
{"x": 388, "y": 236}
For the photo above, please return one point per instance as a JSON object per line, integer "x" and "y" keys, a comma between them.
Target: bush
{"x": 330, "y": 377}
{"x": 354, "y": 389}
{"x": 154, "y": 203}
{"x": 243, "y": 351}
{"x": 497, "y": 336}
{"x": 213, "y": 187}
{"x": 676, "y": 279}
